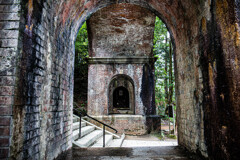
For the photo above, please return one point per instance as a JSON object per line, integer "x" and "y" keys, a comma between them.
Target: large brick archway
{"x": 36, "y": 74}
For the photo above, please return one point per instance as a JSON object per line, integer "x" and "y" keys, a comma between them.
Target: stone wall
{"x": 36, "y": 77}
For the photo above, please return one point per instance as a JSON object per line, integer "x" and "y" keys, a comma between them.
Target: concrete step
{"x": 89, "y": 139}
{"x": 99, "y": 142}
{"x": 76, "y": 125}
{"x": 91, "y": 135}
{"x": 75, "y": 119}
{"x": 106, "y": 131}
{"x": 117, "y": 142}
{"x": 84, "y": 131}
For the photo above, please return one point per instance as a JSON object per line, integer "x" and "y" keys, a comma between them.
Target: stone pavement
{"x": 147, "y": 141}
{"x": 147, "y": 147}
{"x": 136, "y": 153}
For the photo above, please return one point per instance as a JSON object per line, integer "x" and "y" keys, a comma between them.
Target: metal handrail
{"x": 82, "y": 114}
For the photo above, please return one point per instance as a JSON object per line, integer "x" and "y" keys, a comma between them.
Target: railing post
{"x": 80, "y": 126}
{"x": 103, "y": 135}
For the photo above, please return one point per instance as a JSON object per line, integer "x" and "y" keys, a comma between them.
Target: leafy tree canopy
{"x": 164, "y": 77}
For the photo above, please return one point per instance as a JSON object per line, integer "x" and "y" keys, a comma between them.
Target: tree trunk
{"x": 166, "y": 76}
{"x": 170, "y": 94}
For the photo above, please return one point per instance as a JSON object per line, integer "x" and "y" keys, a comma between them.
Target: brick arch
{"x": 37, "y": 73}
{"x": 126, "y": 82}
{"x": 176, "y": 26}
{"x": 158, "y": 11}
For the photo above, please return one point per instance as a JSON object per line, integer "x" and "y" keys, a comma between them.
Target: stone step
{"x": 99, "y": 142}
{"x": 106, "y": 131}
{"x": 133, "y": 153}
{"x": 89, "y": 139}
{"x": 91, "y": 135}
{"x": 117, "y": 142}
{"x": 75, "y": 119}
{"x": 84, "y": 131}
{"x": 76, "y": 125}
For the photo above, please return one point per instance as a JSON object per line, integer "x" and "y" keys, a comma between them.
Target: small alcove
{"x": 121, "y": 95}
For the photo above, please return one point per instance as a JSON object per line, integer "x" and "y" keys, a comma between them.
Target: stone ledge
{"x": 119, "y": 116}
{"x": 121, "y": 60}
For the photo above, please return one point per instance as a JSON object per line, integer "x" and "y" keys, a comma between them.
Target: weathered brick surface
{"x": 6, "y": 90}
{"x": 40, "y": 66}
{"x": 4, "y": 152}
{"x": 4, "y": 142}
{"x": 5, "y": 110}
{"x": 128, "y": 124}
{"x": 9, "y": 34}
{"x": 4, "y": 131}
{"x": 6, "y": 100}
{"x": 5, "y": 121}
{"x": 121, "y": 30}
{"x": 7, "y": 80}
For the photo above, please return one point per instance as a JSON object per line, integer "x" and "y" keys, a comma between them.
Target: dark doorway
{"x": 121, "y": 98}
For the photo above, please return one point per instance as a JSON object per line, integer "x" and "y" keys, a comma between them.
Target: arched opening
{"x": 102, "y": 65}
{"x": 62, "y": 79}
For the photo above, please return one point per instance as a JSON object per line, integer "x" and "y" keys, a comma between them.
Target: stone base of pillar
{"x": 128, "y": 124}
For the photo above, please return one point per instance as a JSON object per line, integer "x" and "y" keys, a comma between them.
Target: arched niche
{"x": 121, "y": 95}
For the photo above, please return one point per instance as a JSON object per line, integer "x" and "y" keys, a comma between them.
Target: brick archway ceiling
{"x": 177, "y": 15}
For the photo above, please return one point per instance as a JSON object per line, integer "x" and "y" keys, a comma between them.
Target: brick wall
{"x": 9, "y": 31}
{"x": 35, "y": 117}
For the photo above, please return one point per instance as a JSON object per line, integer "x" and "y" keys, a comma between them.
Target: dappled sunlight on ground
{"x": 147, "y": 141}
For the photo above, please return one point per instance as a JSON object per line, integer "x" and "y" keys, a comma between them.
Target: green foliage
{"x": 81, "y": 67}
{"x": 164, "y": 81}
{"x": 160, "y": 36}
{"x": 171, "y": 136}
{"x": 160, "y": 136}
{"x": 81, "y": 46}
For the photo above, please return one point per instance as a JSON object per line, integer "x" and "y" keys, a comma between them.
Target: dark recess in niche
{"x": 121, "y": 98}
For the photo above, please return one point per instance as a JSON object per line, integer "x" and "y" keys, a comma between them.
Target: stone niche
{"x": 121, "y": 95}
{"x": 121, "y": 67}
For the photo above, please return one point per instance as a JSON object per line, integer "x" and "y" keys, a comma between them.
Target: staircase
{"x": 92, "y": 135}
